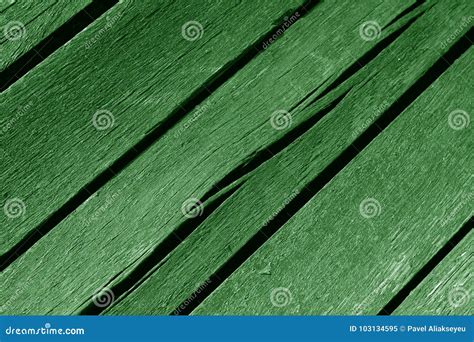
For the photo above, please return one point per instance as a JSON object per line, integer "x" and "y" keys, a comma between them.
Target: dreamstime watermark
{"x": 281, "y": 119}
{"x": 192, "y": 30}
{"x": 281, "y": 207}
{"x": 458, "y": 119}
{"x": 200, "y": 288}
{"x": 46, "y": 330}
{"x": 197, "y": 113}
{"x": 103, "y": 297}
{"x": 10, "y": 122}
{"x": 288, "y": 21}
{"x": 14, "y": 30}
{"x": 466, "y": 22}
{"x": 109, "y": 201}
{"x": 103, "y": 119}
{"x": 192, "y": 208}
{"x": 373, "y": 115}
{"x": 110, "y": 22}
{"x": 280, "y": 297}
{"x": 370, "y": 30}
{"x": 14, "y": 208}
{"x": 459, "y": 296}
{"x": 370, "y": 208}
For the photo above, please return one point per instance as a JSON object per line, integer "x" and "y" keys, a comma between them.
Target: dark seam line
{"x": 416, "y": 280}
{"x": 405, "y": 12}
{"x": 279, "y": 145}
{"x": 367, "y": 57}
{"x": 144, "y": 144}
{"x": 54, "y": 41}
{"x": 274, "y": 148}
{"x": 142, "y": 271}
{"x": 315, "y": 185}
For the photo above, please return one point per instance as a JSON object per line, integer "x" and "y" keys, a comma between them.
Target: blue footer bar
{"x": 231, "y": 328}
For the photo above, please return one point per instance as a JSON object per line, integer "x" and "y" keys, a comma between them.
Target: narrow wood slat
{"x": 130, "y": 70}
{"x": 273, "y": 186}
{"x": 448, "y": 288}
{"x": 25, "y": 23}
{"x": 358, "y": 241}
{"x": 141, "y": 207}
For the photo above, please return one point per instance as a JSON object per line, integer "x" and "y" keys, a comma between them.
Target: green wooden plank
{"x": 448, "y": 288}
{"x": 362, "y": 237}
{"x": 26, "y": 23}
{"x": 101, "y": 93}
{"x": 237, "y": 117}
{"x": 278, "y": 181}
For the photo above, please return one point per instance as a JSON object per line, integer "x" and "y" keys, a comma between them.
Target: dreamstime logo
{"x": 103, "y": 119}
{"x": 370, "y": 207}
{"x": 458, "y": 119}
{"x": 192, "y": 30}
{"x": 280, "y": 297}
{"x": 370, "y": 30}
{"x": 14, "y": 30}
{"x": 14, "y": 208}
{"x": 103, "y": 297}
{"x": 192, "y": 208}
{"x": 458, "y": 296}
{"x": 281, "y": 119}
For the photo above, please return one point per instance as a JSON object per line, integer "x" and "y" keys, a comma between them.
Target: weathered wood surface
{"x": 67, "y": 121}
{"x": 130, "y": 226}
{"x": 25, "y": 23}
{"x": 266, "y": 193}
{"x": 362, "y": 237}
{"x": 448, "y": 288}
{"x": 160, "y": 198}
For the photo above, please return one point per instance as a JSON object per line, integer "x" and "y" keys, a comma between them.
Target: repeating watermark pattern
{"x": 281, "y": 119}
{"x": 103, "y": 297}
{"x": 465, "y": 22}
{"x": 10, "y": 122}
{"x": 192, "y": 208}
{"x": 373, "y": 115}
{"x": 103, "y": 119}
{"x": 288, "y": 21}
{"x": 458, "y": 119}
{"x": 110, "y": 199}
{"x": 459, "y": 296}
{"x": 110, "y": 22}
{"x": 280, "y": 297}
{"x": 14, "y": 30}
{"x": 185, "y": 304}
{"x": 370, "y": 30}
{"x": 14, "y": 208}
{"x": 370, "y": 208}
{"x": 281, "y": 207}
{"x": 192, "y": 30}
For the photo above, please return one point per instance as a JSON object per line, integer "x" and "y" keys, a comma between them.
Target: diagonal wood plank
{"x": 124, "y": 227}
{"x": 277, "y": 183}
{"x": 25, "y": 23}
{"x": 364, "y": 235}
{"x": 87, "y": 108}
{"x": 448, "y": 289}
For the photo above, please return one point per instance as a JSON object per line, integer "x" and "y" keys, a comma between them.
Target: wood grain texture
{"x": 25, "y": 23}
{"x": 448, "y": 289}
{"x": 276, "y": 183}
{"x": 365, "y": 234}
{"x": 133, "y": 73}
{"x": 132, "y": 214}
